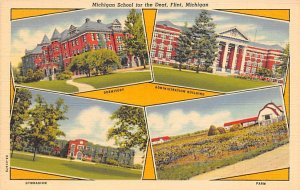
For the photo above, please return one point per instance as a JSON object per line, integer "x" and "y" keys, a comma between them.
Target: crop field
{"x": 189, "y": 155}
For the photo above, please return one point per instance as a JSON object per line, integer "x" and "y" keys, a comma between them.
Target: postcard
{"x": 149, "y": 94}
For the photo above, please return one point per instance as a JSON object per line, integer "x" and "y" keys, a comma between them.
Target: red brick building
{"x": 56, "y": 54}
{"x": 237, "y": 54}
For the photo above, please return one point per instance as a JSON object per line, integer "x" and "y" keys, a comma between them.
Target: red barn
{"x": 160, "y": 140}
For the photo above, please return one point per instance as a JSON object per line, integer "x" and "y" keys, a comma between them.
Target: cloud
{"x": 179, "y": 122}
{"x": 92, "y": 124}
{"x": 217, "y": 18}
{"x": 170, "y": 16}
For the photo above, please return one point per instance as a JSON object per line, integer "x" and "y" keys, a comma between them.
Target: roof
{"x": 88, "y": 26}
{"x": 235, "y": 31}
{"x": 36, "y": 50}
{"x": 274, "y": 47}
{"x": 169, "y": 24}
{"x": 273, "y": 109}
{"x": 56, "y": 35}
{"x": 165, "y": 138}
{"x": 45, "y": 40}
{"x": 240, "y": 121}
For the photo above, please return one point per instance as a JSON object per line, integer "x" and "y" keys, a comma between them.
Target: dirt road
{"x": 275, "y": 159}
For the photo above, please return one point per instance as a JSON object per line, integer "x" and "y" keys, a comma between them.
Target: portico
{"x": 232, "y": 52}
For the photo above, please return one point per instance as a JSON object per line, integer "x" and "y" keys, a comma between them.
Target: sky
{"x": 268, "y": 31}
{"x": 87, "y": 119}
{"x": 190, "y": 116}
{"x": 27, "y": 33}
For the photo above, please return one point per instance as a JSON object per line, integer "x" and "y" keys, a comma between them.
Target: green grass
{"x": 56, "y": 85}
{"x": 204, "y": 81}
{"x": 73, "y": 168}
{"x": 115, "y": 79}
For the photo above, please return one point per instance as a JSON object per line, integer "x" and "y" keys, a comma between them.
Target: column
{"x": 243, "y": 60}
{"x": 233, "y": 64}
{"x": 225, "y": 57}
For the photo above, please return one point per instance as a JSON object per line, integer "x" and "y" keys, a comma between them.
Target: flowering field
{"x": 190, "y": 155}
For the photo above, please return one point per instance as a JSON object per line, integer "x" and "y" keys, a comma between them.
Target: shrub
{"x": 112, "y": 162}
{"x": 175, "y": 65}
{"x": 65, "y": 75}
{"x": 138, "y": 166}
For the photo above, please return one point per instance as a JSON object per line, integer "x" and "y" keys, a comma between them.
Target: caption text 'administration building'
{"x": 55, "y": 54}
{"x": 237, "y": 54}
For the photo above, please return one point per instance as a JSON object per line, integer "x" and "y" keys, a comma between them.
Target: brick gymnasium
{"x": 237, "y": 54}
{"x": 56, "y": 54}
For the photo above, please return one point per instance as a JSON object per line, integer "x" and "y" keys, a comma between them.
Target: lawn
{"x": 56, "y": 85}
{"x": 73, "y": 168}
{"x": 115, "y": 79}
{"x": 204, "y": 81}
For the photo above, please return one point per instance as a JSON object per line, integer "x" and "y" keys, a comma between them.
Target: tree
{"x": 284, "y": 58}
{"x": 184, "y": 47}
{"x": 101, "y": 43}
{"x": 43, "y": 123}
{"x": 212, "y": 130}
{"x": 100, "y": 61}
{"x": 129, "y": 129}
{"x": 19, "y": 115}
{"x": 135, "y": 43}
{"x": 204, "y": 40}
{"x": 38, "y": 75}
{"x": 103, "y": 60}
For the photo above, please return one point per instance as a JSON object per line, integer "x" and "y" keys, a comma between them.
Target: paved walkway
{"x": 81, "y": 87}
{"x": 275, "y": 159}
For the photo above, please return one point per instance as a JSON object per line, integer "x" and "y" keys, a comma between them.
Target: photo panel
{"x": 68, "y": 137}
{"x": 218, "y": 50}
{"x": 80, "y": 50}
{"x": 220, "y": 137}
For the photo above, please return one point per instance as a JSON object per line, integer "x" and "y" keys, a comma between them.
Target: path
{"x": 81, "y": 87}
{"x": 275, "y": 159}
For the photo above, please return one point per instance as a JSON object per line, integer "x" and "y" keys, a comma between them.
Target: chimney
{"x": 87, "y": 20}
{"x": 99, "y": 21}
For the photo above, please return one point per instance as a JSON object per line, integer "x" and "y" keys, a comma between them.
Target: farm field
{"x": 207, "y": 81}
{"x": 190, "y": 155}
{"x": 74, "y": 168}
{"x": 115, "y": 79}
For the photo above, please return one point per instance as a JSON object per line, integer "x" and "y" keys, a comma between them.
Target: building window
{"x": 66, "y": 55}
{"x": 76, "y": 41}
{"x": 93, "y": 38}
{"x": 152, "y": 54}
{"x": 154, "y": 45}
{"x": 110, "y": 47}
{"x": 73, "y": 43}
{"x": 108, "y": 37}
{"x": 161, "y": 46}
{"x": 155, "y": 34}
{"x": 163, "y": 36}
{"x": 169, "y": 47}
{"x": 56, "y": 49}
{"x": 65, "y": 46}
{"x": 98, "y": 36}
{"x": 119, "y": 39}
{"x": 160, "y": 54}
{"x": 168, "y": 55}
{"x": 120, "y": 48}
{"x": 84, "y": 38}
